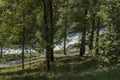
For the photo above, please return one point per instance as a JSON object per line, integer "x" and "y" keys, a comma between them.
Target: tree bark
{"x": 65, "y": 30}
{"x": 82, "y": 48}
{"x": 92, "y": 35}
{"x": 23, "y": 46}
{"x": 83, "y": 41}
{"x": 65, "y": 38}
{"x": 30, "y": 58}
{"x": 51, "y": 31}
{"x": 46, "y": 35}
{"x": 1, "y": 56}
{"x": 97, "y": 36}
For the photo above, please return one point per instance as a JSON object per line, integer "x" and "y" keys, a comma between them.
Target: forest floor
{"x": 64, "y": 68}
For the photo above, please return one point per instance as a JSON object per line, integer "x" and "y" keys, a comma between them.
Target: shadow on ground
{"x": 65, "y": 68}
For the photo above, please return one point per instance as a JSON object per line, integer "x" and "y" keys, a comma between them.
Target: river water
{"x": 71, "y": 39}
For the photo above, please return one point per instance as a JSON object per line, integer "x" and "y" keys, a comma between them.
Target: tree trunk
{"x": 51, "y": 31}
{"x": 92, "y": 35}
{"x": 23, "y": 46}
{"x": 65, "y": 30}
{"x": 83, "y": 42}
{"x": 1, "y": 56}
{"x": 46, "y": 35}
{"x": 65, "y": 37}
{"x": 97, "y": 36}
{"x": 30, "y": 58}
{"x": 82, "y": 48}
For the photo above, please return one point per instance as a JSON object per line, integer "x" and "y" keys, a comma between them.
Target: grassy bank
{"x": 12, "y": 57}
{"x": 65, "y": 68}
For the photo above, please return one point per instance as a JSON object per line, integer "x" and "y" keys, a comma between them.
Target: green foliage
{"x": 25, "y": 18}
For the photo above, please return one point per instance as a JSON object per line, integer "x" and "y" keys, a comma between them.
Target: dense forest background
{"x": 47, "y": 23}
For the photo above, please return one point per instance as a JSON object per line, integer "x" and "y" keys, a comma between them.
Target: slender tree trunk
{"x": 82, "y": 48}
{"x": 97, "y": 36}
{"x": 46, "y": 35}
{"x": 30, "y": 58}
{"x": 1, "y": 56}
{"x": 23, "y": 46}
{"x": 92, "y": 35}
{"x": 65, "y": 30}
{"x": 51, "y": 31}
{"x": 83, "y": 41}
{"x": 65, "y": 39}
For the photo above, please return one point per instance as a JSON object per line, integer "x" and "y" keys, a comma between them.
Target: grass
{"x": 64, "y": 68}
{"x": 12, "y": 57}
{"x": 17, "y": 67}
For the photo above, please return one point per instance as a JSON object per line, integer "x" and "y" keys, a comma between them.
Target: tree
{"x": 83, "y": 41}
{"x": 93, "y": 14}
{"x": 66, "y": 26}
{"x": 63, "y": 23}
{"x": 20, "y": 20}
{"x": 51, "y": 23}
{"x": 112, "y": 37}
{"x": 47, "y": 34}
{"x": 97, "y": 35}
